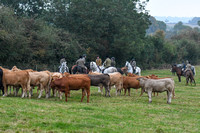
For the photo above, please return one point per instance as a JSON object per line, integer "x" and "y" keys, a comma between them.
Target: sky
{"x": 174, "y": 8}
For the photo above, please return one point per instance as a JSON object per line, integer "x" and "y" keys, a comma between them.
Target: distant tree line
{"x": 38, "y": 33}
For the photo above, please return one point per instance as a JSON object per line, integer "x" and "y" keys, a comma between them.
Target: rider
{"x": 113, "y": 63}
{"x": 63, "y": 66}
{"x": 133, "y": 64}
{"x": 98, "y": 61}
{"x": 80, "y": 63}
{"x": 107, "y": 62}
{"x": 188, "y": 67}
{"x": 183, "y": 66}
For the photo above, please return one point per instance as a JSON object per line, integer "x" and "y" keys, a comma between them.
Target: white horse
{"x": 130, "y": 69}
{"x": 63, "y": 67}
{"x": 94, "y": 67}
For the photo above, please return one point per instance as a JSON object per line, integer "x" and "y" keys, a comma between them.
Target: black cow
{"x": 1, "y": 83}
{"x": 101, "y": 80}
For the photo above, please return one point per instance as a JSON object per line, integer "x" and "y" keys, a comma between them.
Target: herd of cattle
{"x": 58, "y": 83}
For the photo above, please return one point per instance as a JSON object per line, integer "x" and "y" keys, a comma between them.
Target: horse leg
{"x": 179, "y": 78}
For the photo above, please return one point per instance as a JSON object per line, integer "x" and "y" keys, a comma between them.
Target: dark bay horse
{"x": 79, "y": 70}
{"x": 189, "y": 76}
{"x": 178, "y": 71}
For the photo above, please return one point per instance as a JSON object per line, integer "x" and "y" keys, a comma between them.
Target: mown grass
{"x": 106, "y": 114}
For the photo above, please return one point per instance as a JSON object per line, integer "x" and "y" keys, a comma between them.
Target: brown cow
{"x": 66, "y": 84}
{"x": 130, "y": 82}
{"x": 116, "y": 79}
{"x": 17, "y": 78}
{"x": 16, "y": 88}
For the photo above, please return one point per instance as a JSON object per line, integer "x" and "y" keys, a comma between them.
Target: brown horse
{"x": 178, "y": 71}
{"x": 189, "y": 76}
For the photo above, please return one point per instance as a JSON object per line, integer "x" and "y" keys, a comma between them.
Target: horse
{"x": 102, "y": 69}
{"x": 63, "y": 68}
{"x": 189, "y": 76}
{"x": 180, "y": 72}
{"x": 79, "y": 70}
{"x": 94, "y": 67}
{"x": 130, "y": 69}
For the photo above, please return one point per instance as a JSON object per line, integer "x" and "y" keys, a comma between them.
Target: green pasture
{"x": 106, "y": 114}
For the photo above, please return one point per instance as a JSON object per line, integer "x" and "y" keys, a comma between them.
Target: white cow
{"x": 157, "y": 85}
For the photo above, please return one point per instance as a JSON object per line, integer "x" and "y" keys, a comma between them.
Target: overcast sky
{"x": 174, "y": 8}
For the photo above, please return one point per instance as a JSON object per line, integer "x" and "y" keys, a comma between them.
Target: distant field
{"x": 106, "y": 114}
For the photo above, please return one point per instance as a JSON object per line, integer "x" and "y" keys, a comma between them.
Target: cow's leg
{"x": 101, "y": 88}
{"x": 54, "y": 91}
{"x": 41, "y": 90}
{"x": 83, "y": 94}
{"x": 17, "y": 90}
{"x": 169, "y": 97}
{"x": 30, "y": 89}
{"x": 142, "y": 91}
{"x": 107, "y": 90}
{"x": 24, "y": 91}
{"x": 5, "y": 90}
{"x": 117, "y": 89}
{"x": 125, "y": 91}
{"x": 150, "y": 95}
{"x": 129, "y": 91}
{"x": 66, "y": 93}
{"x": 88, "y": 94}
{"x": 9, "y": 92}
{"x": 60, "y": 94}
{"x": 47, "y": 91}
{"x": 2, "y": 90}
{"x": 38, "y": 88}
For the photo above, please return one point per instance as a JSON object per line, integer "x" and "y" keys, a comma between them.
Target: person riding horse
{"x": 188, "y": 67}
{"x": 98, "y": 61}
{"x": 133, "y": 64}
{"x": 81, "y": 64}
{"x": 107, "y": 63}
{"x": 63, "y": 66}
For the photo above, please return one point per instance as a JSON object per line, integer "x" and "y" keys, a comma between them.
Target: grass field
{"x": 106, "y": 114}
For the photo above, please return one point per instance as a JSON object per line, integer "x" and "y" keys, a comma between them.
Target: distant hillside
{"x": 173, "y": 19}
{"x": 194, "y": 21}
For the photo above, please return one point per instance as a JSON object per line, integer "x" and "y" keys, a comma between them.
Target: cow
{"x": 157, "y": 85}
{"x": 18, "y": 78}
{"x": 66, "y": 84}
{"x": 130, "y": 82}
{"x": 56, "y": 75}
{"x": 1, "y": 82}
{"x": 156, "y": 77}
{"x": 116, "y": 79}
{"x": 101, "y": 80}
{"x": 16, "y": 88}
{"x": 41, "y": 79}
